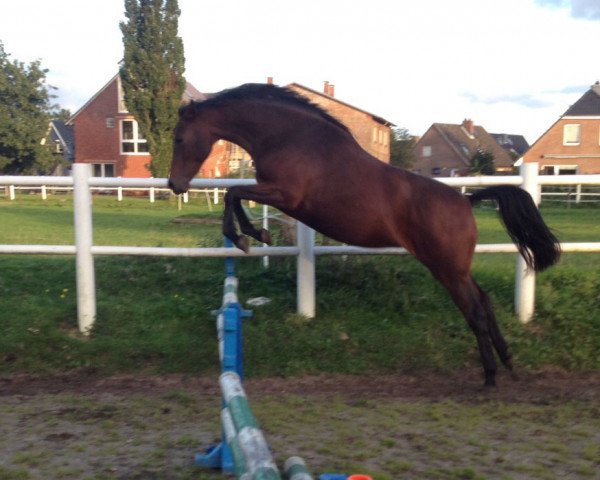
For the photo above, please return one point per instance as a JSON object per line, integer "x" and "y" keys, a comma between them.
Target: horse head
{"x": 192, "y": 144}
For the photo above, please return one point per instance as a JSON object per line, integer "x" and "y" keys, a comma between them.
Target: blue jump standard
{"x": 219, "y": 456}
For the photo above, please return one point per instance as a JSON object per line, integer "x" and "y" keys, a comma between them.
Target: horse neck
{"x": 249, "y": 123}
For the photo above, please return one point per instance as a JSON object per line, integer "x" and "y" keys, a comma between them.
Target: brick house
{"x": 446, "y": 150}
{"x": 107, "y": 135}
{"x": 370, "y": 131}
{"x": 572, "y": 144}
{"x": 59, "y": 139}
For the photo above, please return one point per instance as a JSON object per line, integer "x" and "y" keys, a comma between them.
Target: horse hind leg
{"x": 466, "y": 295}
{"x": 498, "y": 341}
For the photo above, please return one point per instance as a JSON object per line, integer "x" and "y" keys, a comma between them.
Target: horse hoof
{"x": 265, "y": 236}
{"x": 243, "y": 244}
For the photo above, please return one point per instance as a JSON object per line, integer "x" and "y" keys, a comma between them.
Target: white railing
{"x": 305, "y": 249}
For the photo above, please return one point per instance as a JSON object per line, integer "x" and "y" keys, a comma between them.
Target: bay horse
{"x": 309, "y": 166}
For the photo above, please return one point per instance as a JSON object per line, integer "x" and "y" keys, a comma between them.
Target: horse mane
{"x": 266, "y": 92}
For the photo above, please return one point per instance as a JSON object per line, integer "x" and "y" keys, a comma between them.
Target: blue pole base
{"x": 216, "y": 457}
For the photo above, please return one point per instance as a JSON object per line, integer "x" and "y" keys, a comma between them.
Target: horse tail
{"x": 535, "y": 242}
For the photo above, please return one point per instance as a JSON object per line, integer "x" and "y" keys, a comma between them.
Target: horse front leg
{"x": 261, "y": 193}
{"x": 228, "y": 226}
{"x": 262, "y": 235}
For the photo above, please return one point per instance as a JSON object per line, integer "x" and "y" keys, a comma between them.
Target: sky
{"x": 513, "y": 66}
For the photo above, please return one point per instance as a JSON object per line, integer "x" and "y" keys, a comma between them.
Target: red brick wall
{"x": 549, "y": 150}
{"x": 95, "y": 142}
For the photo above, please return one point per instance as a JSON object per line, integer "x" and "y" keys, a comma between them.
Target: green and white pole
{"x": 295, "y": 469}
{"x": 259, "y": 463}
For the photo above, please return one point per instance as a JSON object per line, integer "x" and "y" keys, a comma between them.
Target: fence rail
{"x": 305, "y": 249}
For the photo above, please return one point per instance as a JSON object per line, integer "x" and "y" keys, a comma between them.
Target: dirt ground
{"x": 82, "y": 426}
{"x": 549, "y": 385}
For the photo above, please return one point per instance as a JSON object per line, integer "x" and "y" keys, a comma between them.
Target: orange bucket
{"x": 359, "y": 477}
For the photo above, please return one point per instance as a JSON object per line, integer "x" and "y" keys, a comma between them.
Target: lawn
{"x": 155, "y": 313}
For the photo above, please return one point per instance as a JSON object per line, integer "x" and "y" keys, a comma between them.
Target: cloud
{"x": 571, "y": 89}
{"x": 584, "y": 9}
{"x": 588, "y": 9}
{"x": 525, "y": 100}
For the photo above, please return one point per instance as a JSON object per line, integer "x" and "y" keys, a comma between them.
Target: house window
{"x": 436, "y": 171}
{"x": 374, "y": 137}
{"x": 131, "y": 138}
{"x": 104, "y": 169}
{"x": 110, "y": 122}
{"x": 427, "y": 151}
{"x": 571, "y": 134}
{"x": 560, "y": 170}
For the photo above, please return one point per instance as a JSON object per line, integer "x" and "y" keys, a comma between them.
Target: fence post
{"x": 11, "y": 192}
{"x": 86, "y": 284}
{"x": 306, "y": 270}
{"x": 525, "y": 276}
{"x": 265, "y": 225}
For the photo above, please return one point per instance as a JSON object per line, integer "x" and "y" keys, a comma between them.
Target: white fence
{"x": 305, "y": 249}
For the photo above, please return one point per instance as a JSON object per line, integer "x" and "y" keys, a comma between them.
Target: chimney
{"x": 269, "y": 80}
{"x": 329, "y": 89}
{"x": 469, "y": 126}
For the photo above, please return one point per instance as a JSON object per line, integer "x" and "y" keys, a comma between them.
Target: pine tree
{"x": 152, "y": 74}
{"x": 482, "y": 163}
{"x": 25, "y": 112}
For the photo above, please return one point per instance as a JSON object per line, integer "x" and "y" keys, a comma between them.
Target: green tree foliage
{"x": 402, "y": 148}
{"x": 482, "y": 163}
{"x": 25, "y": 112}
{"x": 152, "y": 74}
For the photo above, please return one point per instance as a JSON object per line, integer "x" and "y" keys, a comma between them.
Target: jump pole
{"x": 243, "y": 450}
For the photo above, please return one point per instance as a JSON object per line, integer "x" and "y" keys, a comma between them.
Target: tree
{"x": 25, "y": 112}
{"x": 482, "y": 163}
{"x": 152, "y": 74}
{"x": 402, "y": 148}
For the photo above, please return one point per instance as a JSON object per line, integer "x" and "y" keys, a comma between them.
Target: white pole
{"x": 578, "y": 193}
{"x": 11, "y": 190}
{"x": 86, "y": 284}
{"x": 120, "y": 194}
{"x": 306, "y": 270}
{"x": 151, "y": 194}
{"x": 216, "y": 196}
{"x": 525, "y": 276}
{"x": 44, "y": 195}
{"x": 265, "y": 225}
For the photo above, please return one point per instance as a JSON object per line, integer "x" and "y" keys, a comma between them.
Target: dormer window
{"x": 571, "y": 134}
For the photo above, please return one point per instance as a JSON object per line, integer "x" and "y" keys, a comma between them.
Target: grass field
{"x": 154, "y": 313}
{"x": 375, "y": 316}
